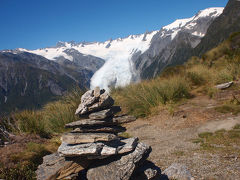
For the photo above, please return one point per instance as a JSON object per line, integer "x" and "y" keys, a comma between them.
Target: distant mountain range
{"x": 30, "y": 78}
{"x": 132, "y": 58}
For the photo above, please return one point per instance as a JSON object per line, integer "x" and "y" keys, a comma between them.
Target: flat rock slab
{"x": 80, "y": 149}
{"x": 89, "y": 122}
{"x": 224, "y": 85}
{"x": 106, "y": 129}
{"x": 94, "y": 100}
{"x": 119, "y": 168}
{"x": 77, "y": 138}
{"x": 98, "y": 150}
{"x": 105, "y": 113}
{"x": 56, "y": 167}
{"x": 122, "y": 119}
{"x": 101, "y": 114}
{"x": 108, "y": 121}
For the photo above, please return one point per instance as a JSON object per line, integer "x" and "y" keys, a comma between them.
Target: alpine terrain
{"x": 35, "y": 77}
{"x": 134, "y": 57}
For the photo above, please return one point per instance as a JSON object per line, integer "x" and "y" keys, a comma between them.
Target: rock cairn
{"x": 93, "y": 150}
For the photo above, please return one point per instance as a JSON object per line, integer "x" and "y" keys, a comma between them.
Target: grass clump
{"x": 221, "y": 141}
{"x": 231, "y": 106}
{"x": 51, "y": 119}
{"x": 139, "y": 99}
{"x": 228, "y": 108}
{"x": 31, "y": 122}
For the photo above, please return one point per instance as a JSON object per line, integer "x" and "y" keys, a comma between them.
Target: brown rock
{"x": 56, "y": 167}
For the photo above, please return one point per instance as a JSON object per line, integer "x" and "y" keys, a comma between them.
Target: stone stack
{"x": 94, "y": 139}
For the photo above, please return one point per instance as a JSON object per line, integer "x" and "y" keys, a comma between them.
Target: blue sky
{"x": 35, "y": 24}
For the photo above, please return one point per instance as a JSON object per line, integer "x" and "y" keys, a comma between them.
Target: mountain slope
{"x": 29, "y": 81}
{"x": 135, "y": 57}
{"x": 118, "y": 69}
{"x": 172, "y": 45}
{"x": 221, "y": 28}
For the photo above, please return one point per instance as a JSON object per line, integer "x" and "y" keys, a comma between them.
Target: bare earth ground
{"x": 171, "y": 138}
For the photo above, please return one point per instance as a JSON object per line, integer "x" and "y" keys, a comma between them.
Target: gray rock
{"x": 94, "y": 100}
{"x": 129, "y": 145}
{"x": 147, "y": 171}
{"x": 119, "y": 168}
{"x": 88, "y": 123}
{"x": 121, "y": 119}
{"x": 224, "y": 86}
{"x": 77, "y": 138}
{"x": 101, "y": 114}
{"x": 98, "y": 150}
{"x": 56, "y": 167}
{"x": 106, "y": 129}
{"x": 178, "y": 171}
{"x": 80, "y": 149}
{"x": 105, "y": 113}
{"x": 108, "y": 121}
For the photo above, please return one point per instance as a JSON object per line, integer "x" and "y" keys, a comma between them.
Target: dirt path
{"x": 171, "y": 139}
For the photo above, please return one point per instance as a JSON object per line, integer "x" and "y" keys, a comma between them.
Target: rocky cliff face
{"x": 173, "y": 44}
{"x": 221, "y": 28}
{"x": 28, "y": 80}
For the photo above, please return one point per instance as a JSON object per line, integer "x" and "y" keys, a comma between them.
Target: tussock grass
{"x": 52, "y": 118}
{"x": 139, "y": 99}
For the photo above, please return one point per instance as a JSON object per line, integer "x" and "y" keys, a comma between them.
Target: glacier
{"x": 118, "y": 69}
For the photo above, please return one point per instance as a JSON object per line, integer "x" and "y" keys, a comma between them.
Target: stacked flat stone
{"x": 94, "y": 139}
{"x": 96, "y": 136}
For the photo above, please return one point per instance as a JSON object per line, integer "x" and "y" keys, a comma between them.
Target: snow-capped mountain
{"x": 128, "y": 59}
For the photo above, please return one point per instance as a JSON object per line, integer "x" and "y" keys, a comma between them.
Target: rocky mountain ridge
{"x": 29, "y": 81}
{"x": 131, "y": 59}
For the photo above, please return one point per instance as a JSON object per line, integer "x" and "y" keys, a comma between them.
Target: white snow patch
{"x": 51, "y": 53}
{"x": 5, "y": 99}
{"x": 177, "y": 24}
{"x": 198, "y": 34}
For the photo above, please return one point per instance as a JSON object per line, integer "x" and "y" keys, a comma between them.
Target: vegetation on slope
{"x": 220, "y": 65}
